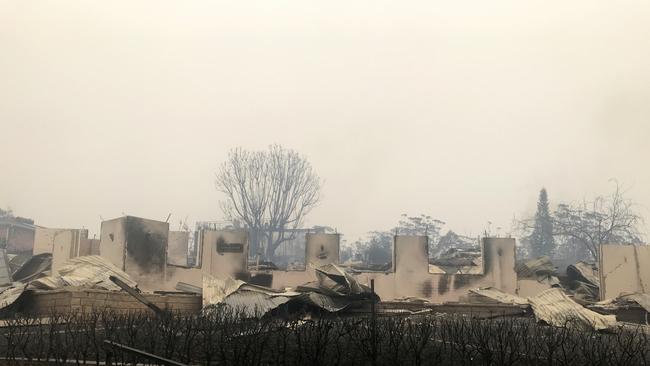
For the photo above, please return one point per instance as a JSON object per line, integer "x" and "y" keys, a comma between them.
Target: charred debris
{"x": 135, "y": 274}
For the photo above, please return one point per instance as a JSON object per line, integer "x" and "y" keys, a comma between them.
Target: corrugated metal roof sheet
{"x": 34, "y": 267}
{"x": 10, "y": 294}
{"x": 254, "y": 304}
{"x": 554, "y": 307}
{"x": 88, "y": 271}
{"x": 500, "y": 296}
{"x": 216, "y": 290}
{"x": 613, "y": 304}
{"x": 329, "y": 303}
{"x": 335, "y": 278}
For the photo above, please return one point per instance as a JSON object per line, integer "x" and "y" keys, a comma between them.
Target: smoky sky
{"x": 461, "y": 110}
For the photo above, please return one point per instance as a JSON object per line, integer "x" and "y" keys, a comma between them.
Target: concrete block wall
{"x": 64, "y": 301}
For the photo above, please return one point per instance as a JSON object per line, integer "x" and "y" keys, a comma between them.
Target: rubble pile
{"x": 540, "y": 269}
{"x": 334, "y": 290}
{"x": 583, "y": 281}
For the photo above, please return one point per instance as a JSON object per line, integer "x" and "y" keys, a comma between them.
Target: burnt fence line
{"x": 227, "y": 337}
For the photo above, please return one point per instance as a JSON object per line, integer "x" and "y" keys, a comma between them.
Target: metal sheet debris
{"x": 541, "y": 269}
{"x": 216, "y": 290}
{"x": 642, "y": 300}
{"x": 330, "y": 303}
{"x": 253, "y": 303}
{"x": 554, "y": 307}
{"x": 334, "y": 291}
{"x": 500, "y": 296}
{"x": 337, "y": 280}
{"x": 17, "y": 260}
{"x": 35, "y": 267}
{"x": 89, "y": 271}
{"x": 186, "y": 287}
{"x": 584, "y": 281}
{"x": 535, "y": 267}
{"x": 10, "y": 295}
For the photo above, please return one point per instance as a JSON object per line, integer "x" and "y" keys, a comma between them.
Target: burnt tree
{"x": 270, "y": 191}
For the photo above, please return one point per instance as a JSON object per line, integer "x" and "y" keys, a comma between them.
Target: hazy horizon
{"x": 459, "y": 110}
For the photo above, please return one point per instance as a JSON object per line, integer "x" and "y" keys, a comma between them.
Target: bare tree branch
{"x": 270, "y": 191}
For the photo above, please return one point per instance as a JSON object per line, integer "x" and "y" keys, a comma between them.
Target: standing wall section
{"x": 112, "y": 241}
{"x": 146, "y": 251}
{"x": 624, "y": 269}
{"x": 177, "y": 249}
{"x": 225, "y": 253}
{"x": 320, "y": 249}
{"x": 137, "y": 246}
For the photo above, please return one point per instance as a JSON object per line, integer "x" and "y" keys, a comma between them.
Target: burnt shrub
{"x": 226, "y": 336}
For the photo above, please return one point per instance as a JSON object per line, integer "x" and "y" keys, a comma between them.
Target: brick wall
{"x": 63, "y": 301}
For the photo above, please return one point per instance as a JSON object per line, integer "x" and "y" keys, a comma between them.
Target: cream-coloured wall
{"x": 412, "y": 278}
{"x": 320, "y": 249}
{"x": 45, "y": 238}
{"x": 89, "y": 247}
{"x": 221, "y": 255}
{"x": 177, "y": 248}
{"x": 410, "y": 274}
{"x": 624, "y": 269}
{"x": 112, "y": 241}
{"x": 63, "y": 244}
{"x": 66, "y": 246}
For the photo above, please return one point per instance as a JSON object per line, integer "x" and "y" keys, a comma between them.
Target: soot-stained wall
{"x": 410, "y": 273}
{"x": 320, "y": 249}
{"x": 411, "y": 277}
{"x": 146, "y": 250}
{"x": 225, "y": 253}
{"x": 138, "y": 246}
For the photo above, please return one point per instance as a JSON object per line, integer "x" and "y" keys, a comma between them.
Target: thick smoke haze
{"x": 461, "y": 110}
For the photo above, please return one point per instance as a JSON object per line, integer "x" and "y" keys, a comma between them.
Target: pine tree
{"x": 541, "y": 240}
